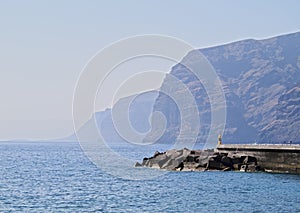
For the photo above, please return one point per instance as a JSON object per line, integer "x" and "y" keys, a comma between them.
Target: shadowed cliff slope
{"x": 261, "y": 81}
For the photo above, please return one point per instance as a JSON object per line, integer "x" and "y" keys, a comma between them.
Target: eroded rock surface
{"x": 200, "y": 160}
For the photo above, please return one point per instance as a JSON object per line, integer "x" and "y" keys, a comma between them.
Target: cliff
{"x": 261, "y": 81}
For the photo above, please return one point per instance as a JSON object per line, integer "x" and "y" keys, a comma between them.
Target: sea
{"x": 59, "y": 177}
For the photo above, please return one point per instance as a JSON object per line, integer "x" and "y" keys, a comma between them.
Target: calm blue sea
{"x": 58, "y": 177}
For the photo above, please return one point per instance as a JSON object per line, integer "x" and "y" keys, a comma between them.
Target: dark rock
{"x": 236, "y": 160}
{"x": 137, "y": 164}
{"x": 171, "y": 159}
{"x": 202, "y": 160}
{"x": 217, "y": 157}
{"x": 192, "y": 158}
{"x": 180, "y": 167}
{"x": 157, "y": 153}
{"x": 213, "y": 163}
{"x": 196, "y": 160}
{"x": 145, "y": 161}
{"x": 250, "y": 160}
{"x": 226, "y": 161}
{"x": 258, "y": 168}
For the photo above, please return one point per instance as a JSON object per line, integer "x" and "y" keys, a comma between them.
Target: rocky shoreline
{"x": 201, "y": 160}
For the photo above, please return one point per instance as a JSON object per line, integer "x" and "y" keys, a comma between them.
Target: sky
{"x": 44, "y": 45}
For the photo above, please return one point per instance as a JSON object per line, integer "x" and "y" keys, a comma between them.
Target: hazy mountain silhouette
{"x": 261, "y": 81}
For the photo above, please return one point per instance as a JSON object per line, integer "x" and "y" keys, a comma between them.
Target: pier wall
{"x": 272, "y": 158}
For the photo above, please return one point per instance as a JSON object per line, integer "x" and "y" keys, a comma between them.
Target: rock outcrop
{"x": 200, "y": 160}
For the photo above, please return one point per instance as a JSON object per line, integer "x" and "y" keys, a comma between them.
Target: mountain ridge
{"x": 255, "y": 74}
{"x": 261, "y": 82}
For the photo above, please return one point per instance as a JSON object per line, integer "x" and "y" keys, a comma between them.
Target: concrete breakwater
{"x": 229, "y": 157}
{"x": 271, "y": 158}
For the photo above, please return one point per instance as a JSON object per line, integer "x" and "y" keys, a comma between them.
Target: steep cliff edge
{"x": 261, "y": 81}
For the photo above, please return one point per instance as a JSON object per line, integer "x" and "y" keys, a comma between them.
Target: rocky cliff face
{"x": 138, "y": 108}
{"x": 286, "y": 125}
{"x": 261, "y": 81}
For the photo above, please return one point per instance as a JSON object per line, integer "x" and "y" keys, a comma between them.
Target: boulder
{"x": 191, "y": 160}
{"x": 251, "y": 168}
{"x": 179, "y": 167}
{"x": 203, "y": 158}
{"x": 236, "y": 160}
{"x": 169, "y": 160}
{"x": 214, "y": 163}
{"x": 137, "y": 164}
{"x": 226, "y": 161}
{"x": 250, "y": 160}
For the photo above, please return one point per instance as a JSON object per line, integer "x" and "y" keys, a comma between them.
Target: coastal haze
{"x": 44, "y": 47}
{"x": 149, "y": 106}
{"x": 260, "y": 79}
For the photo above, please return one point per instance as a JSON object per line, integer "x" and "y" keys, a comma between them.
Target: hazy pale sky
{"x": 44, "y": 45}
